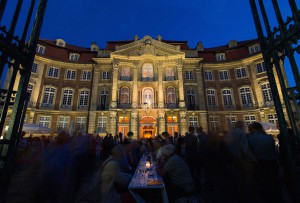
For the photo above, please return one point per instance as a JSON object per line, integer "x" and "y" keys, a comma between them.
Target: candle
{"x": 147, "y": 164}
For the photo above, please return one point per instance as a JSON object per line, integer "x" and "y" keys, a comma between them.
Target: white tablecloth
{"x": 135, "y": 184}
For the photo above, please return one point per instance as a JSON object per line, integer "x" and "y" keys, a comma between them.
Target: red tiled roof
{"x": 234, "y": 53}
{"x": 62, "y": 53}
{"x": 208, "y": 54}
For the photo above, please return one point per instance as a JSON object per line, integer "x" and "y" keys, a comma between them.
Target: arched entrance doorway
{"x": 148, "y": 127}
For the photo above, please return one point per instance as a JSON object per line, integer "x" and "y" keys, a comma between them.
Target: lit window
{"x": 86, "y": 75}
{"x": 40, "y": 49}
{"x": 224, "y": 75}
{"x": 106, "y": 75}
{"x": 74, "y": 57}
{"x": 123, "y": 119}
{"x": 170, "y": 75}
{"x": 172, "y": 119}
{"x": 34, "y": 68}
{"x": 221, "y": 57}
{"x": 53, "y": 72}
{"x": 193, "y": 120}
{"x": 250, "y": 119}
{"x": 241, "y": 72}
{"x": 147, "y": 72}
{"x": 125, "y": 74}
{"x": 189, "y": 75}
{"x": 261, "y": 67}
{"x": 208, "y": 75}
{"x": 45, "y": 121}
{"x": 71, "y": 74}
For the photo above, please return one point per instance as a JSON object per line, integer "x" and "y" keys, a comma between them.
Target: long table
{"x": 146, "y": 178}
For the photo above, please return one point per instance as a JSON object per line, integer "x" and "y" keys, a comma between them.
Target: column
{"x": 95, "y": 90}
{"x": 114, "y": 85}
{"x": 134, "y": 124}
{"x": 135, "y": 95}
{"x": 161, "y": 122}
{"x": 180, "y": 87}
{"x": 160, "y": 87}
{"x": 200, "y": 96}
{"x": 183, "y": 124}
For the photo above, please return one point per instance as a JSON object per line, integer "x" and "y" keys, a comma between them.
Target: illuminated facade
{"x": 148, "y": 86}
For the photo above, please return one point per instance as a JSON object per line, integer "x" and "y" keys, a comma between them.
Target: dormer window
{"x": 61, "y": 43}
{"x": 94, "y": 47}
{"x": 254, "y": 49}
{"x": 232, "y": 43}
{"x": 74, "y": 57}
{"x": 221, "y": 57}
{"x": 40, "y": 49}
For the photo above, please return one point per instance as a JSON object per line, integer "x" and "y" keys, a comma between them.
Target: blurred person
{"x": 240, "y": 158}
{"x": 177, "y": 177}
{"x": 191, "y": 151}
{"x": 55, "y": 182}
{"x": 266, "y": 166}
{"x": 111, "y": 174}
{"x": 202, "y": 153}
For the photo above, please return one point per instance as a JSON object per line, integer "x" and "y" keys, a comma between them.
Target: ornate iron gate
{"x": 16, "y": 53}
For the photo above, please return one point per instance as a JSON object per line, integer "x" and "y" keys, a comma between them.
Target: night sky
{"x": 213, "y": 22}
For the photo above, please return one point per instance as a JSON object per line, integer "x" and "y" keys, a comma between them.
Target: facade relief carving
{"x": 182, "y": 115}
{"x": 112, "y": 116}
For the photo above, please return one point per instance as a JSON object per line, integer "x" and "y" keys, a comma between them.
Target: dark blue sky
{"x": 213, "y": 22}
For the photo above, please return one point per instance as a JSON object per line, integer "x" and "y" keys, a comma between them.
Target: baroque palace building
{"x": 148, "y": 86}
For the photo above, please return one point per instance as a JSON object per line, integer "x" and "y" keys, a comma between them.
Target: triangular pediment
{"x": 149, "y": 46}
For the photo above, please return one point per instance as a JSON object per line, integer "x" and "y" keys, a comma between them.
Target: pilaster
{"x": 95, "y": 90}
{"x": 114, "y": 85}
{"x": 160, "y": 86}
{"x": 180, "y": 85}
{"x": 135, "y": 95}
{"x": 92, "y": 123}
{"x": 134, "y": 123}
{"x": 200, "y": 87}
{"x": 183, "y": 124}
{"x": 161, "y": 122}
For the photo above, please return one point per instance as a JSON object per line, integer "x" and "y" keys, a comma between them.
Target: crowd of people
{"x": 184, "y": 162}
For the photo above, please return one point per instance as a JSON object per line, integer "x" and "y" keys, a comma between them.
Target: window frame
{"x": 74, "y": 56}
{"x": 55, "y": 72}
{"x": 221, "y": 57}
{"x": 70, "y": 74}
{"x": 189, "y": 75}
{"x": 241, "y": 72}
{"x": 86, "y": 75}
{"x": 208, "y": 77}
{"x": 44, "y": 121}
{"x": 223, "y": 74}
